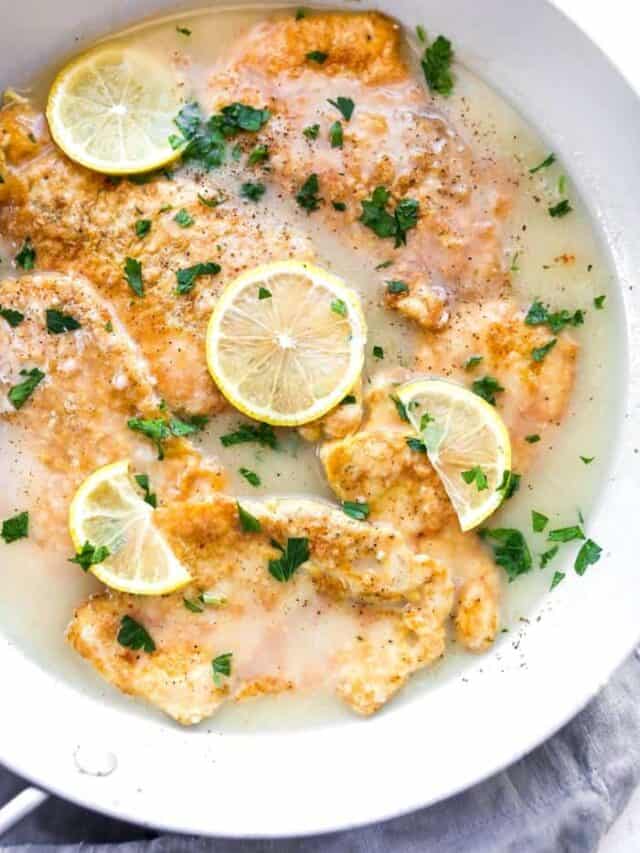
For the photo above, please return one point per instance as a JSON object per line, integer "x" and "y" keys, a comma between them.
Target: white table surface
{"x": 611, "y": 25}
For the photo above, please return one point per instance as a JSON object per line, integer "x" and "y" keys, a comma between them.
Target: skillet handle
{"x": 20, "y": 806}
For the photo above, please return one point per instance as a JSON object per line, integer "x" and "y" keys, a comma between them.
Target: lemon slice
{"x": 113, "y": 110}
{"x": 109, "y": 510}
{"x": 464, "y": 435}
{"x": 285, "y": 342}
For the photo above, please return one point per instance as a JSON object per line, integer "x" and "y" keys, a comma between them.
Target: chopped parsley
{"x": 547, "y": 556}
{"x": 20, "y": 393}
{"x": 344, "y": 106}
{"x": 339, "y": 205}
{"x": 339, "y": 306}
{"x": 264, "y": 293}
{"x": 509, "y": 484}
{"x": 307, "y": 196}
{"x": 221, "y": 667}
{"x": 356, "y": 509}
{"x": 473, "y": 361}
{"x": 318, "y": 56}
{"x": 249, "y": 523}
{"x": 532, "y": 439}
{"x": 560, "y": 209}
{"x": 252, "y": 190}
{"x": 186, "y": 277}
{"x": 89, "y": 556}
{"x": 416, "y": 444}
{"x": 539, "y": 315}
{"x": 312, "y": 131}
{"x": 143, "y": 226}
{"x": 436, "y": 64}
{"x": 540, "y": 353}
{"x": 13, "y": 318}
{"x": 510, "y": 550}
{"x": 262, "y": 434}
{"x": 384, "y": 265}
{"x": 157, "y": 429}
{"x": 558, "y": 577}
{"x": 397, "y": 287}
{"x": 401, "y": 409}
{"x": 599, "y": 301}
{"x": 258, "y": 155}
{"x": 487, "y": 388}
{"x": 475, "y": 475}
{"x": 378, "y": 352}
{"x": 538, "y": 521}
{"x": 133, "y": 635}
{"x": 250, "y": 476}
{"x": 588, "y": 554}
{"x": 348, "y": 400}
{"x": 133, "y": 275}
{"x": 587, "y": 459}
{"x": 196, "y": 606}
{"x": 514, "y": 263}
{"x": 549, "y": 160}
{"x": 301, "y": 13}
{"x": 57, "y": 322}
{"x": 292, "y": 556}
{"x": 183, "y": 218}
{"x": 149, "y": 497}
{"x": 336, "y": 136}
{"x": 385, "y": 224}
{"x": 421, "y": 33}
{"x": 15, "y": 528}
{"x": 26, "y": 257}
{"x": 209, "y": 202}
{"x": 237, "y": 117}
{"x": 566, "y": 534}
{"x": 184, "y": 31}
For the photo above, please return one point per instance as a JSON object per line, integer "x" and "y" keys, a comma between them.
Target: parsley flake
{"x": 250, "y": 476}
{"x": 57, "y": 322}
{"x": 421, "y": 33}
{"x": 16, "y": 527}
{"x": 133, "y": 275}
{"x": 184, "y": 31}
{"x": 588, "y": 554}
{"x": 473, "y": 361}
{"x": 149, "y": 497}
{"x": 262, "y": 434}
{"x": 307, "y": 196}
{"x": 539, "y": 315}
{"x": 293, "y": 555}
{"x": 401, "y": 409}
{"x": 183, "y": 218}
{"x": 143, "y": 226}
{"x": 599, "y": 301}
{"x": 378, "y": 352}
{"x": 312, "y": 131}
{"x": 221, "y": 667}
{"x": 344, "y": 106}
{"x": 558, "y": 577}
{"x": 547, "y": 556}
{"x": 20, "y": 393}
{"x": 509, "y": 484}
{"x": 26, "y": 257}
{"x": 532, "y": 439}
{"x": 318, "y": 56}
{"x": 89, "y": 556}
{"x": 336, "y": 136}
{"x": 252, "y": 190}
{"x": 416, "y": 444}
{"x": 195, "y": 606}
{"x": 560, "y": 209}
{"x": 13, "y": 318}
{"x": 510, "y": 550}
{"x": 540, "y": 353}
{"x": 348, "y": 400}
{"x": 133, "y": 635}
{"x": 249, "y": 523}
{"x": 339, "y": 306}
{"x": 436, "y": 65}
{"x": 475, "y": 475}
{"x": 212, "y": 202}
{"x": 339, "y": 205}
{"x": 397, "y": 287}
{"x": 549, "y": 160}
{"x": 258, "y": 155}
{"x": 566, "y": 534}
{"x": 264, "y": 293}
{"x": 356, "y": 509}
{"x": 385, "y": 224}
{"x": 587, "y": 459}
{"x": 538, "y": 521}
{"x": 186, "y": 278}
{"x": 487, "y": 388}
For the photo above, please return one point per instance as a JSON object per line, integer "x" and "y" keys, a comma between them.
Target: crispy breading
{"x": 397, "y": 137}
{"x": 358, "y": 617}
{"x": 83, "y": 223}
{"x": 95, "y": 380}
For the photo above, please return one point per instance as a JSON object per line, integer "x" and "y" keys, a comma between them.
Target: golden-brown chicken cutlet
{"x": 357, "y": 616}
{"x": 83, "y": 223}
{"x": 391, "y": 134}
{"x": 88, "y": 380}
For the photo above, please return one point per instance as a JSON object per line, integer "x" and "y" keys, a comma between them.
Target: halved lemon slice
{"x": 109, "y": 510}
{"x": 285, "y": 342}
{"x": 467, "y": 443}
{"x": 113, "y": 110}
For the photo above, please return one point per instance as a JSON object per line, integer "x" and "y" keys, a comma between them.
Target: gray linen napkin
{"x": 559, "y": 799}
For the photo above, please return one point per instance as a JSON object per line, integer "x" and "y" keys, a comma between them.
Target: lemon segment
{"x": 285, "y": 342}
{"x": 113, "y": 109}
{"x": 462, "y": 433}
{"x": 108, "y": 509}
